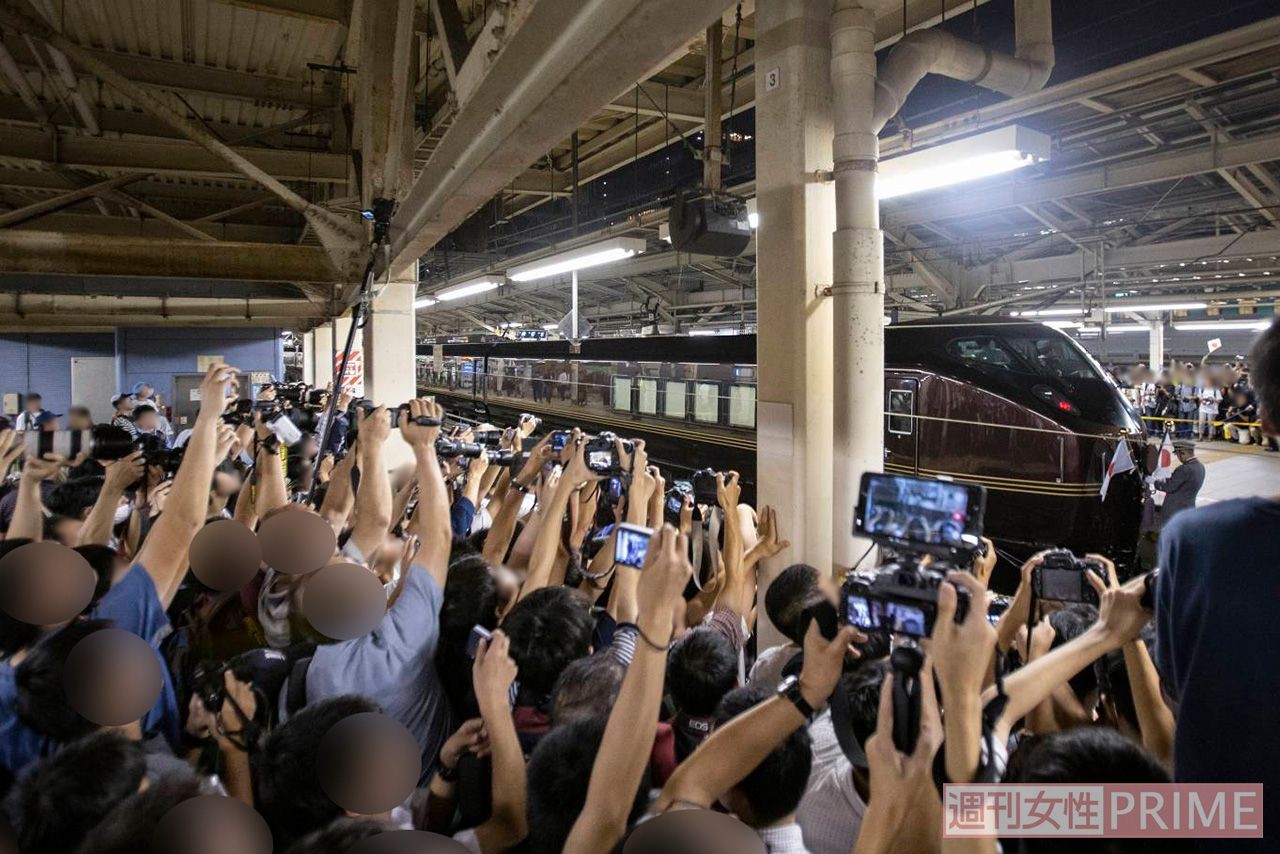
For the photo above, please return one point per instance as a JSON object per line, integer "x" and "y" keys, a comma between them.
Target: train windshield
{"x": 1048, "y": 365}
{"x": 1044, "y": 356}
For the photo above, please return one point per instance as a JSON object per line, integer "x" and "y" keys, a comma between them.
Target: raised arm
{"x": 628, "y": 736}
{"x": 961, "y": 656}
{"x": 545, "y": 547}
{"x": 272, "y": 492}
{"x": 492, "y": 675}
{"x": 120, "y": 475}
{"x": 28, "y": 511}
{"x": 433, "y": 495}
{"x": 164, "y": 552}
{"x": 498, "y": 540}
{"x": 339, "y": 498}
{"x": 1120, "y": 619}
{"x": 736, "y": 748}
{"x": 373, "y": 500}
{"x": 1154, "y": 718}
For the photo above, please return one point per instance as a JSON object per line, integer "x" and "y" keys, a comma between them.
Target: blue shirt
{"x": 132, "y": 605}
{"x": 394, "y": 665}
{"x": 1216, "y": 637}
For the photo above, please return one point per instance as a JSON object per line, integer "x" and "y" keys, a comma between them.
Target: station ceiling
{"x": 466, "y": 111}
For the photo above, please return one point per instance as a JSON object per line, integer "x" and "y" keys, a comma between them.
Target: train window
{"x": 674, "y": 404}
{"x": 647, "y": 403}
{"x": 706, "y": 402}
{"x": 982, "y": 350}
{"x": 742, "y": 406}
{"x": 901, "y": 400}
{"x": 622, "y": 394}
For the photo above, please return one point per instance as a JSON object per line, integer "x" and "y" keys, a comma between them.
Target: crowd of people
{"x": 532, "y": 693}
{"x": 1205, "y": 402}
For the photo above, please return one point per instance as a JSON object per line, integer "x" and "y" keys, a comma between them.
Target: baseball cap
{"x": 137, "y": 387}
{"x": 45, "y": 417}
{"x": 119, "y": 397}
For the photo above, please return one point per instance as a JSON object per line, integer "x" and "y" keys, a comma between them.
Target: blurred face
{"x": 34, "y": 404}
{"x": 52, "y": 425}
{"x": 79, "y": 421}
{"x": 146, "y": 392}
{"x": 147, "y": 420}
{"x": 125, "y": 406}
{"x": 226, "y": 484}
{"x": 67, "y": 532}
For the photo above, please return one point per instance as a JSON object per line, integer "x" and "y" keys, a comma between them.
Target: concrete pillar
{"x": 793, "y": 344}
{"x": 1155, "y": 344}
{"x": 390, "y": 352}
{"x": 322, "y": 354}
{"x": 437, "y": 357}
{"x": 309, "y": 358}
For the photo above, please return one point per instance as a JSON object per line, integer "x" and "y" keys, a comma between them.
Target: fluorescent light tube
{"x": 1062, "y": 324}
{"x": 979, "y": 156}
{"x": 424, "y": 302}
{"x": 1207, "y": 325}
{"x": 1052, "y": 312}
{"x": 605, "y": 252}
{"x": 1155, "y": 306}
{"x": 1124, "y": 328}
{"x": 470, "y": 288}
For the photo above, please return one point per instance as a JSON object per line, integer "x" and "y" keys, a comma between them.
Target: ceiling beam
{"x": 198, "y": 79}
{"x": 1164, "y": 166}
{"x": 383, "y": 88}
{"x": 585, "y": 54}
{"x": 166, "y": 157}
{"x": 57, "y": 203}
{"x": 454, "y": 43}
{"x": 80, "y": 222}
{"x": 36, "y": 252}
{"x": 324, "y": 11}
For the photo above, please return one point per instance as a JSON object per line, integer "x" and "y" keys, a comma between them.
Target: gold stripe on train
{"x": 1063, "y": 490}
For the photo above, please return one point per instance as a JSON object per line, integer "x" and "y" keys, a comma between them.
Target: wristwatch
{"x": 789, "y": 689}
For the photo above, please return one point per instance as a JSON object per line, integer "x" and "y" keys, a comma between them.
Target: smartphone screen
{"x": 631, "y": 545}
{"x": 478, "y": 634}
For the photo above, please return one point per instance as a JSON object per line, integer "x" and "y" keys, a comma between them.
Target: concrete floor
{"x": 1237, "y": 471}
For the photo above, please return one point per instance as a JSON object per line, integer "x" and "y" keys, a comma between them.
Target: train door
{"x": 902, "y": 427}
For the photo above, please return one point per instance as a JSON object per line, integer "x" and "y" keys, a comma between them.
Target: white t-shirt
{"x": 831, "y": 812}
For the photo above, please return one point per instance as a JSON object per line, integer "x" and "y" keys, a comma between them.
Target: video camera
{"x": 453, "y": 448}
{"x": 1061, "y": 577}
{"x": 912, "y": 517}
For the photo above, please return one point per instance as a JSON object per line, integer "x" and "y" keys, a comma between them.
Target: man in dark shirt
{"x": 1180, "y": 488}
{"x": 1215, "y": 624}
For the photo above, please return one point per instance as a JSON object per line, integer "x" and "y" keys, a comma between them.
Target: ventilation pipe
{"x": 857, "y": 287}
{"x": 863, "y": 103}
{"x": 933, "y": 51}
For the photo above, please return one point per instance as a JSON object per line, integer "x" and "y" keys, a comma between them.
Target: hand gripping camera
{"x": 911, "y": 517}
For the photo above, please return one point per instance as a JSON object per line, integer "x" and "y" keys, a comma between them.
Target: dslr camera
{"x": 911, "y": 517}
{"x": 1060, "y": 577}
{"x": 703, "y": 487}
{"x": 265, "y": 669}
{"x": 601, "y": 454}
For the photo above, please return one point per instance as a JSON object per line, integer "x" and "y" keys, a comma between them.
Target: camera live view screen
{"x": 923, "y": 511}
{"x": 880, "y": 614}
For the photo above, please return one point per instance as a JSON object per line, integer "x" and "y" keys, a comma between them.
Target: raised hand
{"x": 493, "y": 672}
{"x": 662, "y": 582}
{"x": 416, "y": 435}
{"x": 1120, "y": 613}
{"x": 123, "y": 473}
{"x": 768, "y": 543}
{"x": 374, "y": 427}
{"x": 728, "y": 491}
{"x": 824, "y": 662}
{"x": 214, "y": 388}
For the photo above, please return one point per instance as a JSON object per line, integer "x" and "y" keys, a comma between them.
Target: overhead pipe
{"x": 862, "y": 103}
{"x": 933, "y": 51}
{"x": 11, "y": 72}
{"x": 67, "y": 75}
{"x": 857, "y": 287}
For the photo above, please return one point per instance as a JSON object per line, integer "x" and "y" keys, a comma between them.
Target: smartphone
{"x": 478, "y": 634}
{"x": 559, "y": 439}
{"x": 631, "y": 544}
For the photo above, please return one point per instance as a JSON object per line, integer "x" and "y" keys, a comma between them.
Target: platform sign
{"x": 353, "y": 379}
{"x": 204, "y": 363}
{"x": 1215, "y": 344}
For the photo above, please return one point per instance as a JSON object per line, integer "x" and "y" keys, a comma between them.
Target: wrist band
{"x": 665, "y": 647}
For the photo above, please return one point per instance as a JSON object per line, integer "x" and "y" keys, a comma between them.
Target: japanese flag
{"x": 1121, "y": 461}
{"x": 1164, "y": 461}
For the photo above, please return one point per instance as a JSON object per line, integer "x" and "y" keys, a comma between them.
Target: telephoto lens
{"x": 103, "y": 442}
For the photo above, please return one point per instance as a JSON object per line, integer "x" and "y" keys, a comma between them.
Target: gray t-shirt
{"x": 394, "y": 665}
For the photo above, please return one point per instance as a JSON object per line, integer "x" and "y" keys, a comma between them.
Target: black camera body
{"x": 265, "y": 669}
{"x": 703, "y": 486}
{"x": 452, "y": 448}
{"x": 674, "y": 503}
{"x": 601, "y": 454}
{"x": 1060, "y": 577}
{"x": 154, "y": 453}
{"x": 901, "y": 598}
